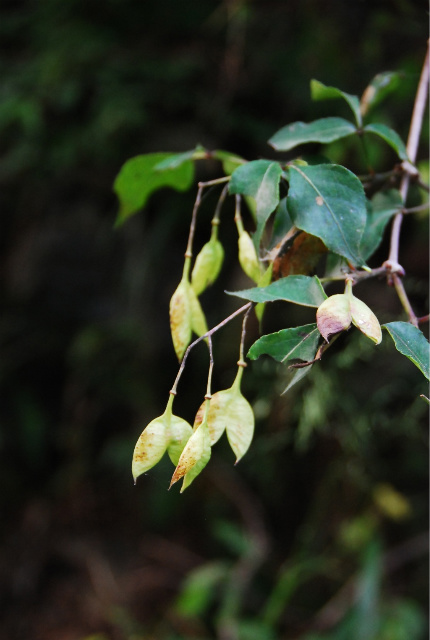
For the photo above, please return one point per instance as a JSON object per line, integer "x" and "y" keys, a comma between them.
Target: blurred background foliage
{"x": 320, "y": 532}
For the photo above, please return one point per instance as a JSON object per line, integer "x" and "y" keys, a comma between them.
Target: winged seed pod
{"x": 337, "y": 313}
{"x": 198, "y": 320}
{"x": 248, "y": 258}
{"x": 186, "y": 316}
{"x": 195, "y": 456}
{"x": 180, "y": 319}
{"x": 333, "y": 315}
{"x": 207, "y": 265}
{"x": 167, "y": 432}
{"x": 365, "y": 320}
{"x": 229, "y": 411}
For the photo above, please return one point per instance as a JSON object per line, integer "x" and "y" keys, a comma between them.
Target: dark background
{"x": 323, "y": 524}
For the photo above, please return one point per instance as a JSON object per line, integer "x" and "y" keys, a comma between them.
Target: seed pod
{"x": 197, "y": 317}
{"x": 165, "y": 432}
{"x": 194, "y": 457}
{"x": 333, "y": 315}
{"x": 150, "y": 446}
{"x": 337, "y": 312}
{"x": 248, "y": 258}
{"x": 365, "y": 320}
{"x": 207, "y": 266}
{"x": 180, "y": 432}
{"x": 229, "y": 411}
{"x": 202, "y": 461}
{"x": 180, "y": 318}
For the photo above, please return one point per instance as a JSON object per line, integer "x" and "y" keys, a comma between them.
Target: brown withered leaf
{"x": 298, "y": 254}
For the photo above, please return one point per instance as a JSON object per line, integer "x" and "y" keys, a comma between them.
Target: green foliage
{"x": 303, "y": 290}
{"x": 411, "y": 342}
{"x": 328, "y": 201}
{"x": 326, "y": 211}
{"x": 324, "y": 131}
{"x": 143, "y": 175}
{"x": 297, "y": 343}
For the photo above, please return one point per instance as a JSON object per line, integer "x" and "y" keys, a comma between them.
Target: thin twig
{"x": 216, "y": 217}
{"x": 208, "y": 395}
{"x": 403, "y": 297}
{"x": 189, "y": 251}
{"x": 242, "y": 362}
{"x": 198, "y": 200}
{"x": 208, "y": 334}
{"x": 417, "y": 209}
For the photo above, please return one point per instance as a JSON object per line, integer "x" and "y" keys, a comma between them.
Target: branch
{"x": 411, "y": 148}
{"x": 208, "y": 334}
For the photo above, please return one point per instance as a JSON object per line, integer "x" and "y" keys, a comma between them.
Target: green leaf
{"x": 328, "y": 201}
{"x": 381, "y": 209}
{"x": 139, "y": 178}
{"x": 303, "y": 290}
{"x": 260, "y": 180}
{"x": 411, "y": 342}
{"x": 320, "y": 91}
{"x": 323, "y": 130}
{"x": 230, "y": 161}
{"x": 176, "y": 159}
{"x": 381, "y": 85}
{"x": 295, "y": 375}
{"x": 298, "y": 343}
{"x": 390, "y": 136}
{"x": 282, "y": 222}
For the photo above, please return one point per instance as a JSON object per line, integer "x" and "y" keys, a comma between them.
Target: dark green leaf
{"x": 138, "y": 178}
{"x": 323, "y": 130}
{"x": 411, "y": 342}
{"x": 320, "y": 91}
{"x": 381, "y": 209}
{"x": 390, "y": 136}
{"x": 282, "y": 222}
{"x": 328, "y": 201}
{"x": 260, "y": 180}
{"x": 381, "y": 85}
{"x": 302, "y": 290}
{"x": 298, "y": 343}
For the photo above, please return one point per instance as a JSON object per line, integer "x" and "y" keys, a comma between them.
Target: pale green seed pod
{"x": 167, "y": 432}
{"x": 207, "y": 266}
{"x": 180, "y": 432}
{"x": 229, "y": 411}
{"x": 180, "y": 318}
{"x": 151, "y": 446}
{"x": 338, "y": 312}
{"x": 194, "y": 457}
{"x": 365, "y": 320}
{"x": 197, "y": 317}
{"x": 248, "y": 258}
